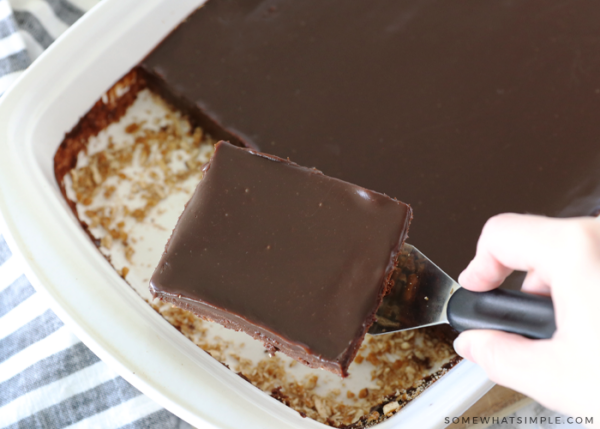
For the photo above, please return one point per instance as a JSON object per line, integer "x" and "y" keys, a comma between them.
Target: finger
{"x": 510, "y": 360}
{"x": 484, "y": 273}
{"x": 510, "y": 242}
{"x": 535, "y": 283}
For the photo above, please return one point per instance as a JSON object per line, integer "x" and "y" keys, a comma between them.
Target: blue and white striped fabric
{"x": 48, "y": 378}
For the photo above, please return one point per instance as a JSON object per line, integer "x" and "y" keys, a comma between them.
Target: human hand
{"x": 562, "y": 259}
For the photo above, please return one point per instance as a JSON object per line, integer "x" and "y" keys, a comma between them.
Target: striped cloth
{"x": 48, "y": 378}
{"x": 27, "y": 27}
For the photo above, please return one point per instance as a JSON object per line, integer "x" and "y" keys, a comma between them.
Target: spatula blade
{"x": 419, "y": 297}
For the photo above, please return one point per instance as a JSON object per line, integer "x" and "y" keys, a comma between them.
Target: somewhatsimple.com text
{"x": 519, "y": 420}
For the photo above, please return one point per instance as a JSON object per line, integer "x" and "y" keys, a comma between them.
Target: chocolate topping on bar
{"x": 295, "y": 258}
{"x": 466, "y": 109}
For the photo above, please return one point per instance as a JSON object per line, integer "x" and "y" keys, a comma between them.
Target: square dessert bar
{"x": 296, "y": 259}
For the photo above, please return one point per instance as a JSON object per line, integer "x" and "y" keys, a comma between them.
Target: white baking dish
{"x": 84, "y": 290}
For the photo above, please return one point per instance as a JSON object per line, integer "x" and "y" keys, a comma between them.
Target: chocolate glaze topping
{"x": 297, "y": 259}
{"x": 466, "y": 109}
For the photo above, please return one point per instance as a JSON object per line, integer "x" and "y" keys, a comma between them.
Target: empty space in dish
{"x": 129, "y": 184}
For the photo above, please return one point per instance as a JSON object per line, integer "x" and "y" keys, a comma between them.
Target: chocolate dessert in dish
{"x": 296, "y": 259}
{"x": 464, "y": 109}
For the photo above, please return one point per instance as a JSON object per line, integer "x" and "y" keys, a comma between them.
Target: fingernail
{"x": 460, "y": 346}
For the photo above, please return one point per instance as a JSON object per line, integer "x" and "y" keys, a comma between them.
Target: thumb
{"x": 510, "y": 360}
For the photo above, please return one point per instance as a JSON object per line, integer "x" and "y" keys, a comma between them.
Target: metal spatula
{"x": 423, "y": 295}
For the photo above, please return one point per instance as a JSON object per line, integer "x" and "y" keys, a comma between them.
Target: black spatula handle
{"x": 504, "y": 310}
